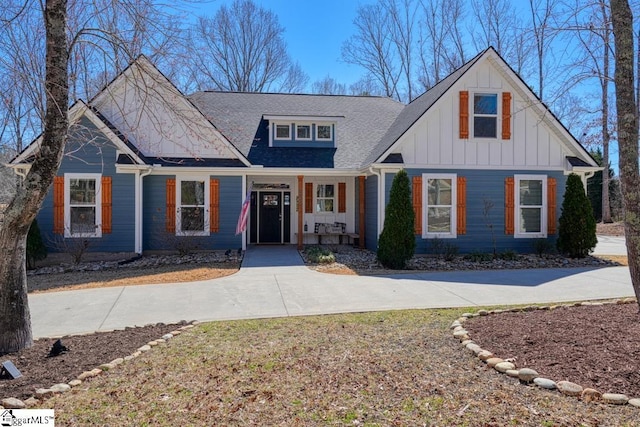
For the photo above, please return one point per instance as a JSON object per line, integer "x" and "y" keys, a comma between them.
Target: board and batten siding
{"x": 157, "y": 238}
{"x": 484, "y": 185}
{"x": 434, "y": 140}
{"x": 371, "y": 213}
{"x": 98, "y": 155}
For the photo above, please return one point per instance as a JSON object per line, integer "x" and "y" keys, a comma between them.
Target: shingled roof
{"x": 360, "y": 125}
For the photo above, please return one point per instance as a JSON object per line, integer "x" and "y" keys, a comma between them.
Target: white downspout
{"x": 138, "y": 208}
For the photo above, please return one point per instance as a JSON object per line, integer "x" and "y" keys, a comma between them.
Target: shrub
{"x": 397, "y": 242}
{"x": 36, "y": 250}
{"x": 320, "y": 255}
{"x": 542, "y": 247}
{"x": 577, "y": 226}
{"x": 509, "y": 255}
{"x": 477, "y": 256}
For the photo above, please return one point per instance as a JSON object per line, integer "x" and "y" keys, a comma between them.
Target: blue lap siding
{"x": 485, "y": 185}
{"x": 371, "y": 213}
{"x": 155, "y": 236}
{"x": 89, "y": 151}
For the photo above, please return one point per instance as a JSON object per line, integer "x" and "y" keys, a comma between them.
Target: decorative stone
{"x": 465, "y": 342}
{"x": 106, "y": 366}
{"x": 474, "y": 348}
{"x": 128, "y": 358}
{"x": 74, "y": 383}
{"x": 60, "y": 388}
{"x": 89, "y": 374}
{"x": 44, "y": 393}
{"x": 530, "y": 308}
{"x": 634, "y": 402}
{"x": 13, "y": 403}
{"x": 174, "y": 333}
{"x": 527, "y": 375}
{"x": 545, "y": 383}
{"x": 31, "y": 402}
{"x": 136, "y": 354}
{"x": 467, "y": 315}
{"x": 152, "y": 343}
{"x": 569, "y": 388}
{"x": 455, "y": 324}
{"x": 483, "y": 313}
{"x": 615, "y": 398}
{"x": 116, "y": 362}
{"x": 461, "y": 333}
{"x": 144, "y": 348}
{"x": 493, "y": 361}
{"x": 185, "y": 327}
{"x": 513, "y": 373}
{"x": 504, "y": 366}
{"x": 485, "y": 355}
{"x": 167, "y": 336}
{"x": 590, "y": 395}
{"x": 161, "y": 341}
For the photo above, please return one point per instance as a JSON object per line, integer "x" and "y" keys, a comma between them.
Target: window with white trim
{"x": 303, "y": 132}
{"x": 324, "y": 132}
{"x": 283, "y": 131}
{"x": 192, "y": 207}
{"x": 485, "y": 115}
{"x": 531, "y": 206}
{"x": 325, "y": 198}
{"x": 439, "y": 193}
{"x": 83, "y": 205}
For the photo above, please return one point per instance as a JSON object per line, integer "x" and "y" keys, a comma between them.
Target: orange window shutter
{"x": 464, "y": 114}
{"x": 170, "y": 220}
{"x": 462, "y": 206}
{"x": 58, "y": 205}
{"x": 551, "y": 206}
{"x": 106, "y": 204}
{"x": 214, "y": 205}
{"x": 342, "y": 197}
{"x": 308, "y": 197}
{"x": 506, "y": 115}
{"x": 509, "y": 206}
{"x": 417, "y": 203}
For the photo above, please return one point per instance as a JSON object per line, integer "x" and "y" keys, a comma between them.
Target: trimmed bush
{"x": 36, "y": 250}
{"x": 577, "y": 226}
{"x": 397, "y": 242}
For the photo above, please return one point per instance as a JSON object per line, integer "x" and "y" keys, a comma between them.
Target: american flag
{"x": 244, "y": 213}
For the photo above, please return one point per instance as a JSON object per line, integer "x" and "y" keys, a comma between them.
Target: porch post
{"x": 299, "y": 209}
{"x": 361, "y": 214}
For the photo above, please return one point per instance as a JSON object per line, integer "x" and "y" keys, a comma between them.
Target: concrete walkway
{"x": 273, "y": 282}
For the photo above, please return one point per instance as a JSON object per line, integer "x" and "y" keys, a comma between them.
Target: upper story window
{"x": 324, "y": 132}
{"x": 303, "y": 132}
{"x": 485, "y": 115}
{"x": 283, "y": 132}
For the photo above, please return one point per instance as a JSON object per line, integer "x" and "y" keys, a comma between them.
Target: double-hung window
{"x": 485, "y": 115}
{"x": 192, "y": 206}
{"x": 83, "y": 207}
{"x": 283, "y": 131}
{"x": 324, "y": 132}
{"x": 325, "y": 196}
{"x": 530, "y": 205}
{"x": 439, "y": 212}
{"x": 303, "y": 132}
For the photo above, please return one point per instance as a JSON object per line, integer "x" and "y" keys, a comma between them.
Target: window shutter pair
{"x": 464, "y": 115}
{"x": 58, "y": 205}
{"x": 461, "y": 204}
{"x": 308, "y": 197}
{"x": 214, "y": 206}
{"x": 509, "y": 206}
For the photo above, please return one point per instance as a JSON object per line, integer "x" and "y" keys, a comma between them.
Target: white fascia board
{"x": 172, "y": 170}
{"x": 301, "y": 118}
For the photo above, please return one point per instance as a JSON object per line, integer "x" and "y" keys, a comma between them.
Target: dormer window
{"x": 283, "y": 132}
{"x": 303, "y": 132}
{"x": 323, "y": 132}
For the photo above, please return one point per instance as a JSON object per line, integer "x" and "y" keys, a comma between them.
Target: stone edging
{"x": 42, "y": 394}
{"x": 527, "y": 375}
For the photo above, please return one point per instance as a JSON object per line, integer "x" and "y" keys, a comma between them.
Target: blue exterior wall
{"x": 89, "y": 151}
{"x": 371, "y": 213}
{"x": 485, "y": 185}
{"x": 155, "y": 237}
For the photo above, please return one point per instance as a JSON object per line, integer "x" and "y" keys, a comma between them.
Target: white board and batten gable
{"x": 534, "y": 139}
{"x": 156, "y": 117}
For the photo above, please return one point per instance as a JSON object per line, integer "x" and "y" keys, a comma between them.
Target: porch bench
{"x": 350, "y": 236}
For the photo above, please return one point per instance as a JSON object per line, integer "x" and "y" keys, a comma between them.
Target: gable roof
{"x": 361, "y": 122}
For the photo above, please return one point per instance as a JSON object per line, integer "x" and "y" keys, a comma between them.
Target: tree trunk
{"x": 627, "y": 134}
{"x": 15, "y": 321}
{"x": 606, "y": 138}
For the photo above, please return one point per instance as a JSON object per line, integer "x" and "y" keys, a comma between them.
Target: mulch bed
{"x": 594, "y": 346}
{"x": 86, "y": 352}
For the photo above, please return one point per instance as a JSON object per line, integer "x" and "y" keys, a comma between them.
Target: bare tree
{"x": 543, "y": 13}
{"x": 328, "y": 86}
{"x": 241, "y": 49}
{"x": 622, "y": 20}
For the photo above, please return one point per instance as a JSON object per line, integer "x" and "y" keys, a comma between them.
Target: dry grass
{"x": 375, "y": 369}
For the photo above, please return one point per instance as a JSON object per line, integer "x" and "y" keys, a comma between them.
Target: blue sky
{"x": 314, "y": 32}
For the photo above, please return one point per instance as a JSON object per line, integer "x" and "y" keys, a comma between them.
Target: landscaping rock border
{"x": 528, "y": 375}
{"x": 42, "y": 394}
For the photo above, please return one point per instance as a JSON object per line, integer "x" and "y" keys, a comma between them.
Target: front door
{"x": 270, "y": 207}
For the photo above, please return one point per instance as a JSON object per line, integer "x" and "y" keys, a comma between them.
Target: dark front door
{"x": 270, "y": 207}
